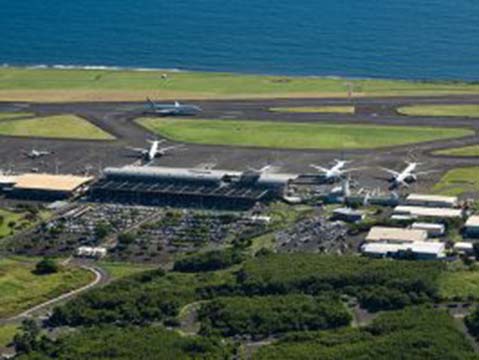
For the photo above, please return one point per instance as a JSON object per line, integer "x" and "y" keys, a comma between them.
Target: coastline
{"x": 238, "y": 73}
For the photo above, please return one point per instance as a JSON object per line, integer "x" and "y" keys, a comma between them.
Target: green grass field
{"x": 316, "y": 109}
{"x": 13, "y": 115}
{"x": 461, "y": 283}
{"x": 6, "y": 219}
{"x": 458, "y": 181}
{"x": 294, "y": 135}
{"x": 60, "y": 126}
{"x": 7, "y": 332}
{"x": 20, "y": 289}
{"x": 55, "y": 85}
{"x": 472, "y": 150}
{"x": 441, "y": 110}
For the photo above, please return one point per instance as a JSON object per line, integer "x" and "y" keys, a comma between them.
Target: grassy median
{"x": 59, "y": 126}
{"x": 285, "y": 135}
{"x": 458, "y": 181}
{"x": 315, "y": 109}
{"x": 441, "y": 110}
{"x": 465, "y": 151}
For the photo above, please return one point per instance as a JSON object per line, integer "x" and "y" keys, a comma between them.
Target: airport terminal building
{"x": 189, "y": 187}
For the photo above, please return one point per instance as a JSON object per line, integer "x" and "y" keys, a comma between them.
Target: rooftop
{"x": 428, "y": 211}
{"x": 432, "y": 198}
{"x": 421, "y": 247}
{"x": 431, "y": 226}
{"x": 379, "y": 233}
{"x": 473, "y": 220}
{"x": 50, "y": 182}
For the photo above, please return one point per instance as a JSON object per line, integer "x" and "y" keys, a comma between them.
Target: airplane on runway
{"x": 406, "y": 176}
{"x": 34, "y": 154}
{"x": 336, "y": 172}
{"x": 154, "y": 150}
{"x": 172, "y": 109}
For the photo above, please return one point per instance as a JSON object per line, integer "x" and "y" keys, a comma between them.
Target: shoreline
{"x": 178, "y": 70}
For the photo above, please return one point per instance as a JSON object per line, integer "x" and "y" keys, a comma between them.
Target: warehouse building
{"x": 433, "y": 230}
{"x": 395, "y": 235}
{"x": 471, "y": 228}
{"x": 439, "y": 201}
{"x": 428, "y": 212}
{"x": 415, "y": 250}
{"x": 464, "y": 248}
{"x": 45, "y": 187}
{"x": 190, "y": 187}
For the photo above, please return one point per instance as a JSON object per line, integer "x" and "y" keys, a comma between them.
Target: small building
{"x": 465, "y": 248}
{"x": 432, "y": 200}
{"x": 433, "y": 230}
{"x": 260, "y": 219}
{"x": 430, "y": 212}
{"x": 403, "y": 218}
{"x": 471, "y": 228}
{"x": 418, "y": 250}
{"x": 348, "y": 215}
{"x": 91, "y": 252}
{"x": 395, "y": 235}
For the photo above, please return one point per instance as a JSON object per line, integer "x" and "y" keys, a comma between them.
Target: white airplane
{"x": 34, "y": 154}
{"x": 154, "y": 150}
{"x": 172, "y": 109}
{"x": 406, "y": 176}
{"x": 336, "y": 172}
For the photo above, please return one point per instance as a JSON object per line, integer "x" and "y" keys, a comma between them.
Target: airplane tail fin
{"x": 151, "y": 103}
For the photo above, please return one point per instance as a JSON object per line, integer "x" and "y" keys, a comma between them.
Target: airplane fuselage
{"x": 335, "y": 172}
{"x": 175, "y": 109}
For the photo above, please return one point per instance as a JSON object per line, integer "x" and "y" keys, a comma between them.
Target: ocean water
{"x": 415, "y": 39}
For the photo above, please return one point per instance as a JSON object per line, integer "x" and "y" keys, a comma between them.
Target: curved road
{"x": 100, "y": 277}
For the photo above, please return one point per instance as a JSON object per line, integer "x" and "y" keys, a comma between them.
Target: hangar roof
{"x": 379, "y": 233}
{"x": 50, "y": 182}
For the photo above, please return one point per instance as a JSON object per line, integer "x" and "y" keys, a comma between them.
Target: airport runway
{"x": 77, "y": 156}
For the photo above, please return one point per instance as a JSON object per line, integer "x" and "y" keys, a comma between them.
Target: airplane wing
{"x": 168, "y": 148}
{"x": 392, "y": 172}
{"x": 140, "y": 150}
{"x": 319, "y": 168}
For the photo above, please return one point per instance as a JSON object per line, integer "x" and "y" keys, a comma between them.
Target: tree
{"x": 102, "y": 230}
{"x": 126, "y": 238}
{"x": 26, "y": 340}
{"x": 46, "y": 266}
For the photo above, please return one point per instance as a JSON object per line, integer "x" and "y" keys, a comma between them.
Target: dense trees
{"x": 130, "y": 343}
{"x": 379, "y": 284}
{"x": 155, "y": 296}
{"x": 288, "y": 296}
{"x": 268, "y": 315}
{"x": 413, "y": 333}
{"x": 143, "y": 298}
{"x": 209, "y": 261}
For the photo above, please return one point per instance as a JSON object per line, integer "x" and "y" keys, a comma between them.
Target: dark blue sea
{"x": 417, "y": 39}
